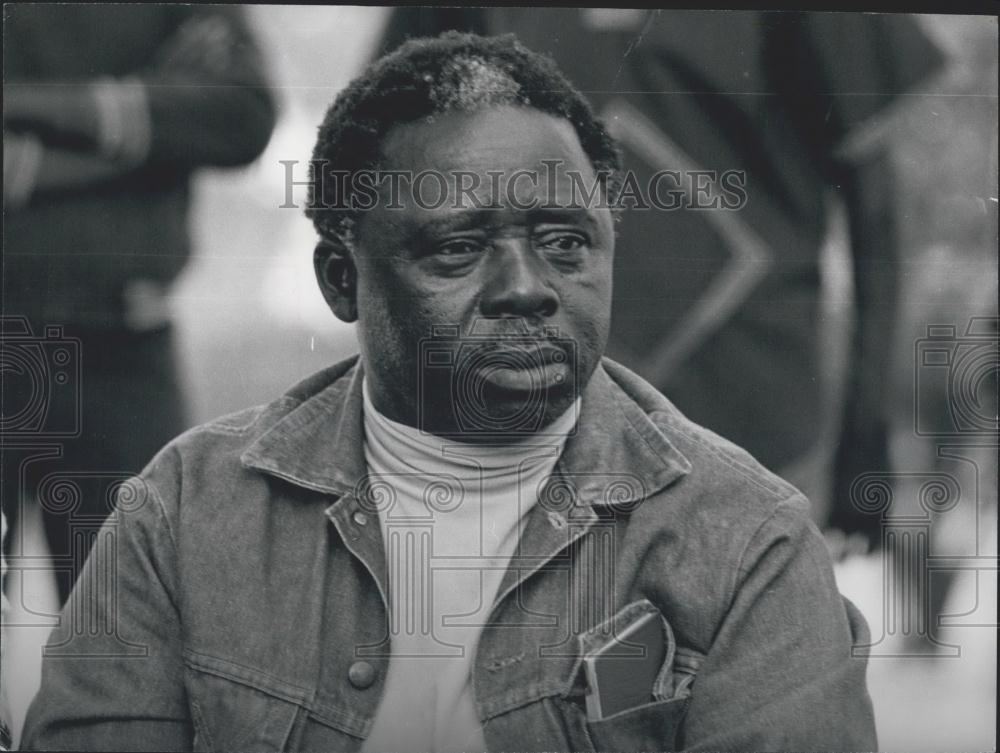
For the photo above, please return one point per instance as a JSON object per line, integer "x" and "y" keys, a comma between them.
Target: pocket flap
{"x": 232, "y": 712}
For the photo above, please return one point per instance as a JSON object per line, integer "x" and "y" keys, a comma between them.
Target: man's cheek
{"x": 591, "y": 323}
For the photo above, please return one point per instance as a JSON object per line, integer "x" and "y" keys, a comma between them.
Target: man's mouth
{"x": 528, "y": 367}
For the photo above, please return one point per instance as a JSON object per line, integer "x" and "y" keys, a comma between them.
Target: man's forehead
{"x": 493, "y": 139}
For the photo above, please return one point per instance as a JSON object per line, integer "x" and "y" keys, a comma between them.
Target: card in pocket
{"x": 621, "y": 671}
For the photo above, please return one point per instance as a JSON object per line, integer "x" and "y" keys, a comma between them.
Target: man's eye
{"x": 459, "y": 247}
{"x": 562, "y": 241}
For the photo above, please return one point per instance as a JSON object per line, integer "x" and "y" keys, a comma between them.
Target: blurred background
{"x": 249, "y": 321}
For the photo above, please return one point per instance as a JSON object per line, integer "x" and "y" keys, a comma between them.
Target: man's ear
{"x": 338, "y": 278}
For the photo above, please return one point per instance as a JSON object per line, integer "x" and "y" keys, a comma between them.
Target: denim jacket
{"x": 236, "y": 600}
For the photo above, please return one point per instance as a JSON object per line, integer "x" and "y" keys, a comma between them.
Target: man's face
{"x": 515, "y": 272}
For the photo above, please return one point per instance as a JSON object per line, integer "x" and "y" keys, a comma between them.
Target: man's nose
{"x": 516, "y": 283}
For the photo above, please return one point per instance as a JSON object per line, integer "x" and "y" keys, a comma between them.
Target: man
{"x": 436, "y": 546}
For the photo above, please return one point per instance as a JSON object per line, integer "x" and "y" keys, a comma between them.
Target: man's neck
{"x": 524, "y": 434}
{"x": 494, "y": 450}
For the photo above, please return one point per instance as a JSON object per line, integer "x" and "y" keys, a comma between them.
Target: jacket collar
{"x": 616, "y": 456}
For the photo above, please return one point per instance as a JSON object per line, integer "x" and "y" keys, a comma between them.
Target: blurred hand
{"x": 21, "y": 158}
{"x": 146, "y": 305}
{"x": 61, "y": 115}
{"x": 30, "y": 169}
{"x": 200, "y": 44}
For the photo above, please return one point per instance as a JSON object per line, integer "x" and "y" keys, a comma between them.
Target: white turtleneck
{"x": 450, "y": 525}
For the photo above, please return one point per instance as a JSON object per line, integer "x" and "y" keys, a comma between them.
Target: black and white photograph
{"x": 462, "y": 379}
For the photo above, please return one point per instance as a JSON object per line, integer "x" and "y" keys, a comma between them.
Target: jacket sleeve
{"x": 112, "y": 672}
{"x": 208, "y": 99}
{"x": 780, "y": 674}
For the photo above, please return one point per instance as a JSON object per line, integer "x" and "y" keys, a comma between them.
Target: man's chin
{"x": 508, "y": 410}
{"x": 500, "y": 410}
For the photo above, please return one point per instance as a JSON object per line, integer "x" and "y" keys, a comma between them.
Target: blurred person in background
{"x": 108, "y": 111}
{"x": 721, "y": 310}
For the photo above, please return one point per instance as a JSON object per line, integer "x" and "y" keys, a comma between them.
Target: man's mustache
{"x": 512, "y": 327}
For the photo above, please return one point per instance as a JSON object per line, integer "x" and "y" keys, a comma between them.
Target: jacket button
{"x": 361, "y": 674}
{"x": 360, "y": 518}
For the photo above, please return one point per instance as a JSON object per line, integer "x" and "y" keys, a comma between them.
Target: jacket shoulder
{"x": 209, "y": 455}
{"x": 700, "y": 536}
{"x": 710, "y": 455}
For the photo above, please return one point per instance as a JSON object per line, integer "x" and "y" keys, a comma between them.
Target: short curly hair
{"x": 432, "y": 75}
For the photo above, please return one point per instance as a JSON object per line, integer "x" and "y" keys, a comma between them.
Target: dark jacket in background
{"x": 68, "y": 254}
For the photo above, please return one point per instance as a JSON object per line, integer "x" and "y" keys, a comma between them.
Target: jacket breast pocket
{"x": 653, "y": 726}
{"x": 234, "y": 708}
{"x": 653, "y": 722}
